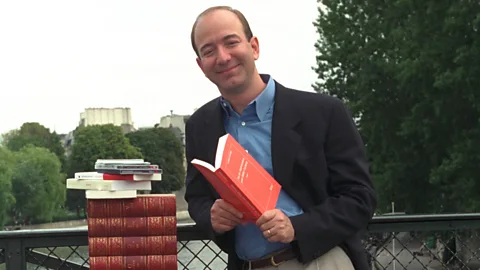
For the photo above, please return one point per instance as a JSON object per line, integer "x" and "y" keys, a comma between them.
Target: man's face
{"x": 226, "y": 57}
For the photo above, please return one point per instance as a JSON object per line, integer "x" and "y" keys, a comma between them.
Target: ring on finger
{"x": 269, "y": 232}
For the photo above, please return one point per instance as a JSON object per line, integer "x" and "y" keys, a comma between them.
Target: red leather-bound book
{"x": 150, "y": 205}
{"x": 132, "y": 246}
{"x": 155, "y": 262}
{"x": 132, "y": 226}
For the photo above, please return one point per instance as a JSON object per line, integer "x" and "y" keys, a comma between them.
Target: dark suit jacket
{"x": 319, "y": 159}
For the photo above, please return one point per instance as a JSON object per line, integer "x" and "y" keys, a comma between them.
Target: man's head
{"x": 226, "y": 48}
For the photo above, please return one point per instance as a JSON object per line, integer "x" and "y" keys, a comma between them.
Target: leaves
{"x": 38, "y": 184}
{"x": 36, "y": 135}
{"x": 408, "y": 71}
{"x": 7, "y": 163}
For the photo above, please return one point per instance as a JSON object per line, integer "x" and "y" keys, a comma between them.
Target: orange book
{"x": 240, "y": 180}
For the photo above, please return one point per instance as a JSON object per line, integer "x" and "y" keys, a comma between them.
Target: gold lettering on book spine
{"x": 116, "y": 246}
{"x": 135, "y": 226}
{"x": 155, "y": 226}
{"x": 156, "y": 245}
{"x": 98, "y": 227}
{"x": 136, "y": 262}
{"x": 170, "y": 225}
{"x": 98, "y": 246}
{"x": 170, "y": 245}
{"x": 170, "y": 206}
{"x": 155, "y": 261}
{"x": 153, "y": 207}
{"x": 116, "y": 262}
{"x": 143, "y": 206}
{"x": 115, "y": 227}
{"x": 115, "y": 208}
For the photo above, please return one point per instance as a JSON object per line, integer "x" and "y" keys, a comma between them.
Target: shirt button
{"x": 243, "y": 123}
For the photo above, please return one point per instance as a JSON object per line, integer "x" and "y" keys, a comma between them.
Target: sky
{"x": 59, "y": 57}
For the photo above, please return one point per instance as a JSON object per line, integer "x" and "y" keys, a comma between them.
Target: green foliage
{"x": 7, "y": 164}
{"x": 38, "y": 184}
{"x": 407, "y": 70}
{"x": 160, "y": 146}
{"x": 36, "y": 135}
{"x": 92, "y": 143}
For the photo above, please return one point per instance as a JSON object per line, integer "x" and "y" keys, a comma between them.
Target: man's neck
{"x": 240, "y": 101}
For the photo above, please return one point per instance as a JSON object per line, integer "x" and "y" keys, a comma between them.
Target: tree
{"x": 160, "y": 146}
{"x": 38, "y": 184}
{"x": 406, "y": 72}
{"x": 92, "y": 143}
{"x": 7, "y": 164}
{"x": 37, "y": 135}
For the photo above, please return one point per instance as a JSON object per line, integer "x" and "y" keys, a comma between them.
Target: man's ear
{"x": 199, "y": 63}
{"x": 255, "y": 47}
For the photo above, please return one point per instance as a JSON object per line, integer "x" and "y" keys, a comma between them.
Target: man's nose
{"x": 223, "y": 56}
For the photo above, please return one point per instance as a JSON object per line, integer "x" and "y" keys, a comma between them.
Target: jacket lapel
{"x": 214, "y": 129}
{"x": 285, "y": 138}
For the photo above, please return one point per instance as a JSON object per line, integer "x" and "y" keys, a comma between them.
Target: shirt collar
{"x": 263, "y": 102}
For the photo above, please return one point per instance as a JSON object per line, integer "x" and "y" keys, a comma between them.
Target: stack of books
{"x": 138, "y": 233}
{"x": 116, "y": 178}
{"x": 127, "y": 230}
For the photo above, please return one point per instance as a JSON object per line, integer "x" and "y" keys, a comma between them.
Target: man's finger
{"x": 226, "y": 221}
{"x": 229, "y": 208}
{"x": 266, "y": 217}
{"x": 270, "y": 224}
{"x": 227, "y": 215}
{"x": 222, "y": 228}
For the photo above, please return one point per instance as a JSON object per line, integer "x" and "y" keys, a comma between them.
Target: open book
{"x": 240, "y": 180}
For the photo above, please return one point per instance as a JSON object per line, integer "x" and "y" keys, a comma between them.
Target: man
{"x": 307, "y": 141}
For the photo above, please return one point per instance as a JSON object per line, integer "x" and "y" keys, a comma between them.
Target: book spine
{"x": 132, "y": 226}
{"x": 120, "y": 171}
{"x": 239, "y": 194}
{"x": 157, "y": 262}
{"x": 134, "y": 207}
{"x": 132, "y": 246}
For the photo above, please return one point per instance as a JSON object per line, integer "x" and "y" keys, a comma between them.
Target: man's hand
{"x": 224, "y": 217}
{"x": 276, "y": 226}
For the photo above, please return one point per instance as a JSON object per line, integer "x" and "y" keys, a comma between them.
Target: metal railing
{"x": 391, "y": 242}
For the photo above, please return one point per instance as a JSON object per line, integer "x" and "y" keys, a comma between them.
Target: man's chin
{"x": 232, "y": 87}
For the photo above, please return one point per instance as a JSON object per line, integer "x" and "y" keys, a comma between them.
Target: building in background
{"x": 176, "y": 123}
{"x": 121, "y": 117}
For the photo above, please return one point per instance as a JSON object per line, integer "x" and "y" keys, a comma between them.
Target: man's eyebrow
{"x": 227, "y": 37}
{"x": 230, "y": 36}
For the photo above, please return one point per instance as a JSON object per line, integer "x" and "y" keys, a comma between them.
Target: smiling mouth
{"x": 227, "y": 70}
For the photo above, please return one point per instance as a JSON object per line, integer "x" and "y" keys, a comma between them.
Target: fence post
{"x": 15, "y": 255}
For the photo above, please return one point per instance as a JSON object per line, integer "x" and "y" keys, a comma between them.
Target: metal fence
{"x": 391, "y": 242}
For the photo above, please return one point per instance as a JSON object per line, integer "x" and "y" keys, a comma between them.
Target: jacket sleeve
{"x": 200, "y": 196}
{"x": 352, "y": 200}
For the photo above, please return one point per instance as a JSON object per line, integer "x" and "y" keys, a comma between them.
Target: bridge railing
{"x": 391, "y": 242}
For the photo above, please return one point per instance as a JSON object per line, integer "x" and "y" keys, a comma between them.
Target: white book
{"x": 105, "y": 194}
{"x": 96, "y": 184}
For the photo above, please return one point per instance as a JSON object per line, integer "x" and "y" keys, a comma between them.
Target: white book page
{"x": 204, "y": 164}
{"x": 220, "y": 149}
